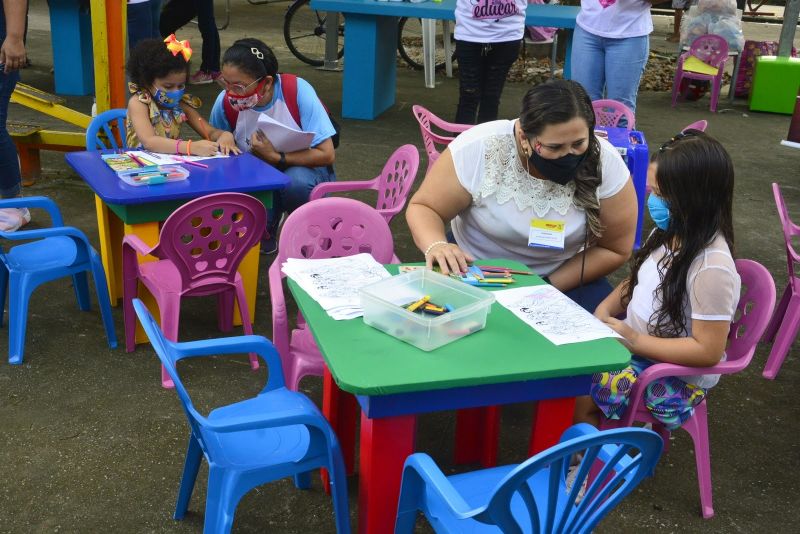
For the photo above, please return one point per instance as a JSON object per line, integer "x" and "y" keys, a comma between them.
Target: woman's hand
{"x": 227, "y": 144}
{"x": 630, "y": 336}
{"x": 449, "y": 257}
{"x": 262, "y": 147}
{"x": 204, "y": 148}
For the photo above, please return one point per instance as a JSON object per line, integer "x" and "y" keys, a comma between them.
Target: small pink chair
{"x": 700, "y": 125}
{"x": 752, "y": 315}
{"x": 608, "y": 113}
{"x": 393, "y": 183}
{"x": 199, "y": 250}
{"x": 430, "y": 139}
{"x": 786, "y": 320}
{"x": 322, "y": 228}
{"x": 711, "y": 49}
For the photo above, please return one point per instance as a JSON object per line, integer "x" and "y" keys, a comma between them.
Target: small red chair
{"x": 712, "y": 50}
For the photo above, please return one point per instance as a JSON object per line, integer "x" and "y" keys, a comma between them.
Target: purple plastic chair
{"x": 785, "y": 321}
{"x": 711, "y": 49}
{"x": 426, "y": 119}
{"x": 199, "y": 251}
{"x": 609, "y": 113}
{"x": 752, "y": 315}
{"x": 700, "y": 125}
{"x": 323, "y": 228}
{"x": 393, "y": 183}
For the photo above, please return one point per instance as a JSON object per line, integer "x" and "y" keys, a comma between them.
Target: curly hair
{"x": 150, "y": 59}
{"x": 252, "y": 57}
{"x": 557, "y": 102}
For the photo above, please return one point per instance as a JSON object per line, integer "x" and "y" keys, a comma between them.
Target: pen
{"x": 196, "y": 164}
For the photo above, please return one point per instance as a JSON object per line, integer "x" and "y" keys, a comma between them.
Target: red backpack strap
{"x": 231, "y": 114}
{"x": 289, "y": 89}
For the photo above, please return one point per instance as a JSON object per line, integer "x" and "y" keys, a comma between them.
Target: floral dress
{"x": 166, "y": 122}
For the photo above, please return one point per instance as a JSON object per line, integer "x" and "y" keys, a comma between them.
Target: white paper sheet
{"x": 334, "y": 283}
{"x": 168, "y": 159}
{"x": 284, "y": 138}
{"x": 553, "y": 314}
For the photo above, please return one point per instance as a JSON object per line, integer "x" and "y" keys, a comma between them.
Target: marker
{"x": 419, "y": 303}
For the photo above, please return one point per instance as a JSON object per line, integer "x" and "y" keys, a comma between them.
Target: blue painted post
{"x": 71, "y": 38}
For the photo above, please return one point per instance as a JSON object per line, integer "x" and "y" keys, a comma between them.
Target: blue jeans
{"x": 301, "y": 181}
{"x": 615, "y": 65}
{"x": 143, "y": 22}
{"x": 9, "y": 163}
{"x": 178, "y": 13}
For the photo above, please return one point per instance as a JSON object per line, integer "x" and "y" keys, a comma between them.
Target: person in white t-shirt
{"x": 610, "y": 48}
{"x": 683, "y": 289}
{"x": 488, "y": 35}
{"x": 541, "y": 189}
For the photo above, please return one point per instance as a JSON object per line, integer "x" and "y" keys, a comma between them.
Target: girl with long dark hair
{"x": 683, "y": 289}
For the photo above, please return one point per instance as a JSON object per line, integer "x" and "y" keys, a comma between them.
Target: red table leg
{"x": 551, "y": 418}
{"x": 341, "y": 410}
{"x": 385, "y": 445}
{"x": 477, "y": 431}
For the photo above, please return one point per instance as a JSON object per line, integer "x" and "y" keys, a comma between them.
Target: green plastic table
{"x": 392, "y": 381}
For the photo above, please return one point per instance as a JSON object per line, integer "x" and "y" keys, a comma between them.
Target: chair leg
{"x": 17, "y": 316}
{"x": 338, "y": 486}
{"x": 3, "y": 291}
{"x": 716, "y": 88}
{"x": 219, "y": 510}
{"x": 103, "y": 301}
{"x": 784, "y": 339}
{"x": 247, "y": 325}
{"x": 225, "y": 311}
{"x": 777, "y": 317}
{"x": 80, "y": 284}
{"x": 303, "y": 480}
{"x": 130, "y": 290}
{"x": 697, "y": 427}
{"x": 170, "y": 311}
{"x": 676, "y": 83}
{"x": 190, "y": 468}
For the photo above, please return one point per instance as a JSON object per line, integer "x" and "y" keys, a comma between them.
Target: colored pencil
{"x": 195, "y": 163}
{"x": 139, "y": 162}
{"x": 504, "y": 269}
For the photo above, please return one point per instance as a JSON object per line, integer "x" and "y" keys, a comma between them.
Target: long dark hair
{"x": 557, "y": 102}
{"x": 695, "y": 178}
{"x": 253, "y": 57}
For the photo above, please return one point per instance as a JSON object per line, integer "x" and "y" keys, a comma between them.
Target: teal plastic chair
{"x": 278, "y": 433}
{"x": 534, "y": 496}
{"x": 48, "y": 254}
{"x": 105, "y": 122}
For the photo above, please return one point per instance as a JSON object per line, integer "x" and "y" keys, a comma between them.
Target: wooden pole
{"x": 109, "y": 18}
{"x": 790, "y": 14}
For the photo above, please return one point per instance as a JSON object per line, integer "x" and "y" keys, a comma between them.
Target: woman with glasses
{"x": 253, "y": 87}
{"x": 541, "y": 189}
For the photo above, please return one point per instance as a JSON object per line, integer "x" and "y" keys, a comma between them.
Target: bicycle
{"x": 304, "y": 32}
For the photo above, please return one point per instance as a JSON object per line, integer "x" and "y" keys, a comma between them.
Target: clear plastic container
{"x": 145, "y": 175}
{"x": 384, "y": 302}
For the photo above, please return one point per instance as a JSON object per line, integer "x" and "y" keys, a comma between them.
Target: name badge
{"x": 547, "y": 234}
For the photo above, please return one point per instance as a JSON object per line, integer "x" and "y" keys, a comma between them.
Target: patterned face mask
{"x": 168, "y": 99}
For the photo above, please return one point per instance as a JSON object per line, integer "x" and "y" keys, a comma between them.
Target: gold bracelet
{"x": 434, "y": 244}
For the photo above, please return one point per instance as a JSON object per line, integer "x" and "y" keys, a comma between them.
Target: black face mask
{"x": 560, "y": 170}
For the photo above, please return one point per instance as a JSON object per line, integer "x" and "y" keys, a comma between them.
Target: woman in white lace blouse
{"x": 539, "y": 190}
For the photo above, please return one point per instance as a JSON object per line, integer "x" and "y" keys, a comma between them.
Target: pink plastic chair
{"x": 426, "y": 119}
{"x": 323, "y": 228}
{"x": 700, "y": 125}
{"x": 711, "y": 49}
{"x": 785, "y": 322}
{"x": 393, "y": 183}
{"x": 609, "y": 112}
{"x": 752, "y": 315}
{"x": 199, "y": 250}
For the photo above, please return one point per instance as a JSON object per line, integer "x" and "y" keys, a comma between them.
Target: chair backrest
{"x": 107, "y": 121}
{"x": 752, "y": 315}
{"x": 700, "y": 125}
{"x": 628, "y": 455}
{"x": 335, "y": 227}
{"x": 395, "y": 181}
{"x": 426, "y": 121}
{"x": 208, "y": 237}
{"x": 711, "y": 49}
{"x": 609, "y": 112}
{"x": 790, "y": 229}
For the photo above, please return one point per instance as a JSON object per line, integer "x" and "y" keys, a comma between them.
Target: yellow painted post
{"x": 100, "y": 52}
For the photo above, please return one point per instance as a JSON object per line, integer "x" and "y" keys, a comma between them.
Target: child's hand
{"x": 227, "y": 144}
{"x": 204, "y": 148}
{"x": 630, "y": 335}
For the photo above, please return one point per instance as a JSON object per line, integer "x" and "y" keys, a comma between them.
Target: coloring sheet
{"x": 553, "y": 314}
{"x": 334, "y": 283}
{"x": 167, "y": 159}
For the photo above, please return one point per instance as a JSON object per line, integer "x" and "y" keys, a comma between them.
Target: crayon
{"x": 418, "y": 303}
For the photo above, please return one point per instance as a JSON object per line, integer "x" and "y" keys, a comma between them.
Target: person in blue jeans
{"x": 12, "y": 58}
{"x": 176, "y": 14}
{"x": 143, "y": 18}
{"x": 253, "y": 88}
{"x": 610, "y": 48}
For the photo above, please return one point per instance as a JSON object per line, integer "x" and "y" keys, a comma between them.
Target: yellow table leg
{"x": 106, "y": 248}
{"x": 147, "y": 232}
{"x": 248, "y": 270}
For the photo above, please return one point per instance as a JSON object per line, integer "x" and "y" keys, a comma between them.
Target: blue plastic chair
{"x": 532, "y": 496}
{"x": 51, "y": 253}
{"x": 104, "y": 122}
{"x": 278, "y": 433}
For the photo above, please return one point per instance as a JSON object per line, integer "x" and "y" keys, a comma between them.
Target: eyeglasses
{"x": 236, "y": 88}
{"x": 676, "y": 138}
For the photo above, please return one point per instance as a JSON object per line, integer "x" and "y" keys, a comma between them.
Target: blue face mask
{"x": 168, "y": 99}
{"x": 659, "y": 211}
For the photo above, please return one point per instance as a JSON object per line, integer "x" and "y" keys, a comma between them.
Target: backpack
{"x": 289, "y": 88}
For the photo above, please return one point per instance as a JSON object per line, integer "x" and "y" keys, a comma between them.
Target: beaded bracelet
{"x": 178, "y": 146}
{"x": 189, "y": 147}
{"x": 432, "y": 245}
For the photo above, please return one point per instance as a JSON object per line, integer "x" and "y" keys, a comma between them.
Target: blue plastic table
{"x": 124, "y": 209}
{"x": 370, "y": 43}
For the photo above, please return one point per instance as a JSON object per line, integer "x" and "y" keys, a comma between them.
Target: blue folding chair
{"x": 51, "y": 253}
{"x": 278, "y": 433}
{"x": 533, "y": 496}
{"x": 104, "y": 122}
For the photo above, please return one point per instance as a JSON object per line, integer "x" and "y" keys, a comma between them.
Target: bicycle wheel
{"x": 304, "y": 33}
{"x": 409, "y": 43}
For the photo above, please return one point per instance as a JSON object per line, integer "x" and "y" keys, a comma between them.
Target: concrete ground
{"x": 90, "y": 442}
